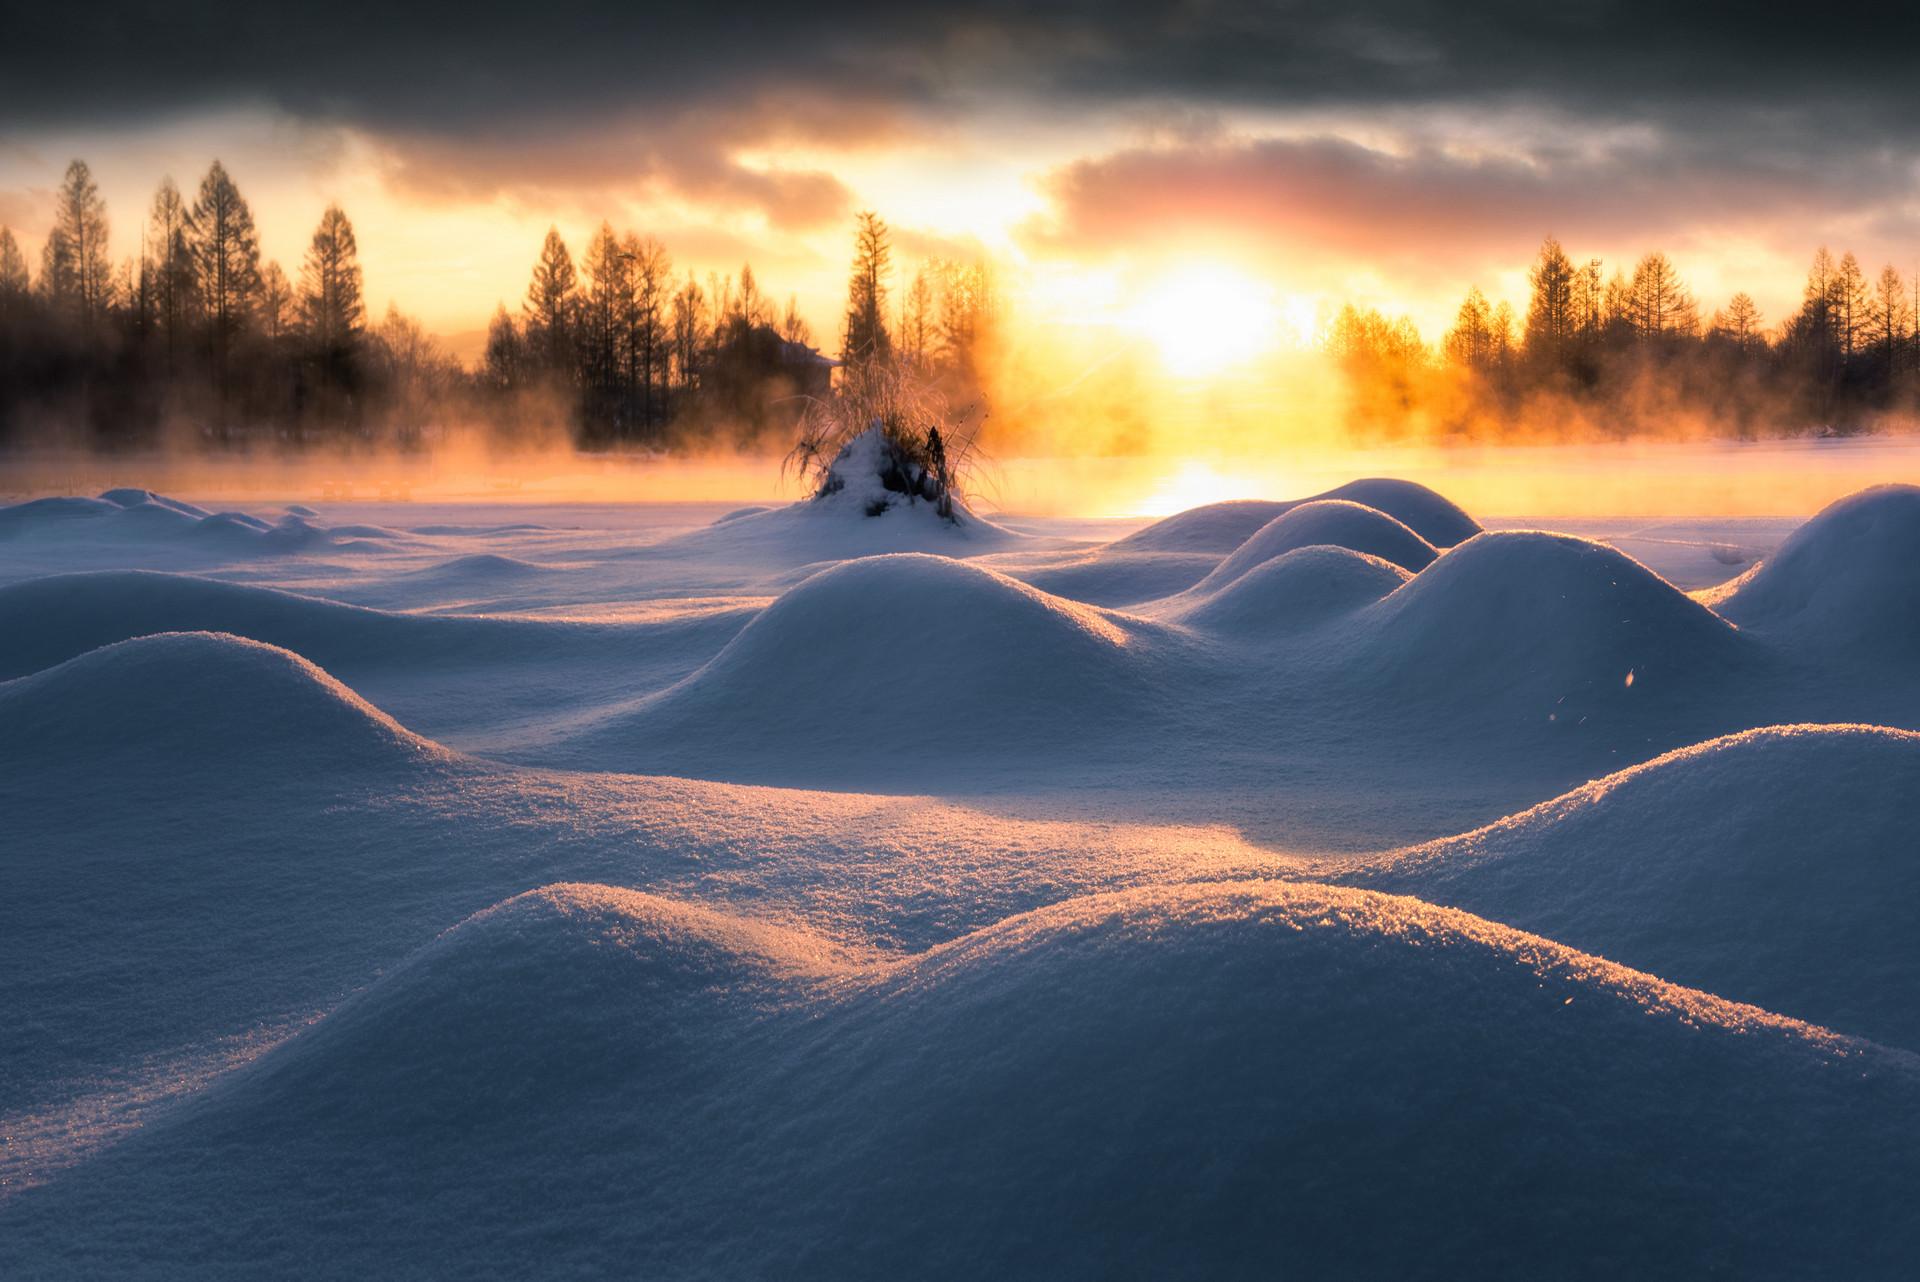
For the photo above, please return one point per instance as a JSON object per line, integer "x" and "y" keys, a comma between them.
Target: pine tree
{"x": 916, "y": 320}
{"x": 1550, "y": 313}
{"x": 1739, "y": 321}
{"x": 277, "y": 303}
{"x": 226, "y": 256}
{"x": 648, "y": 343}
{"x": 170, "y": 283}
{"x": 503, "y": 363}
{"x": 1658, "y": 305}
{"x": 601, "y": 332}
{"x": 15, "y": 287}
{"x": 1848, "y": 304}
{"x": 1469, "y": 344}
{"x": 550, "y": 308}
{"x": 80, "y": 217}
{"x": 866, "y": 341}
{"x": 332, "y": 311}
{"x": 1889, "y": 317}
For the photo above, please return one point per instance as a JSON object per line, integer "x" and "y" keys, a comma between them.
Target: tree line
{"x": 197, "y": 332}
{"x": 1628, "y": 353}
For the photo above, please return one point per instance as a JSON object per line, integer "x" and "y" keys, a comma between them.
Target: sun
{"x": 1205, "y": 318}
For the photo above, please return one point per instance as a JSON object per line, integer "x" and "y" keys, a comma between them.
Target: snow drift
{"x": 1544, "y": 626}
{"x": 1291, "y": 592}
{"x": 1223, "y": 1080}
{"x": 136, "y": 515}
{"x": 200, "y": 696}
{"x": 1328, "y": 523}
{"x": 894, "y": 655}
{"x": 1849, "y": 578}
{"x": 1222, "y": 527}
{"x": 1776, "y": 866}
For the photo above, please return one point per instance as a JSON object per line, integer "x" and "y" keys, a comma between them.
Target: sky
{"x": 1111, "y": 157}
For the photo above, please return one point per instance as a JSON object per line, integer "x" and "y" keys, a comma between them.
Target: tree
{"x": 866, "y": 341}
{"x": 169, "y": 282}
{"x": 56, "y": 286}
{"x": 14, "y": 285}
{"x": 648, "y": 344}
{"x": 1849, "y": 304}
{"x": 332, "y": 312}
{"x": 793, "y": 326}
{"x": 968, "y": 305}
{"x": 1658, "y": 305}
{"x": 226, "y": 256}
{"x": 277, "y": 303}
{"x": 1889, "y": 317}
{"x": 503, "y": 365}
{"x": 690, "y": 332}
{"x": 1550, "y": 312}
{"x": 550, "y": 308}
{"x": 80, "y": 219}
{"x": 601, "y": 332}
{"x": 916, "y": 320}
{"x": 1470, "y": 343}
{"x": 1739, "y": 321}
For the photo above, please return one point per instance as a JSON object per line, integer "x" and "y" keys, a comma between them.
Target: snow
{"x": 1848, "y": 578}
{"x": 1322, "y": 885}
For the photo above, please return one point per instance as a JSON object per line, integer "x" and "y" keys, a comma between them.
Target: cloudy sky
{"x": 1388, "y": 153}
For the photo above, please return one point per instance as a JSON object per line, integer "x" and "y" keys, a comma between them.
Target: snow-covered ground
{"x": 1319, "y": 886}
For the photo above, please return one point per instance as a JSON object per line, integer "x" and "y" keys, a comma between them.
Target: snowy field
{"x": 1318, "y": 888}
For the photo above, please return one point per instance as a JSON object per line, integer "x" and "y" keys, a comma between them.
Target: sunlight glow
{"x": 1196, "y": 484}
{"x": 1206, "y": 318}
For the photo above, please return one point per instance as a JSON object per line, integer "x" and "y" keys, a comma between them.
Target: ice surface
{"x": 535, "y": 892}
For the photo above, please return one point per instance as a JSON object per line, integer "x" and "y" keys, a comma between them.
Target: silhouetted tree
{"x": 550, "y": 310}
{"x": 277, "y": 306}
{"x": 332, "y": 310}
{"x": 1739, "y": 321}
{"x": 169, "y": 281}
{"x": 1551, "y": 321}
{"x": 333, "y": 316}
{"x": 226, "y": 257}
{"x": 1470, "y": 343}
{"x": 1658, "y": 306}
{"x": 15, "y": 287}
{"x": 917, "y": 320}
{"x": 866, "y": 340}
{"x": 80, "y": 221}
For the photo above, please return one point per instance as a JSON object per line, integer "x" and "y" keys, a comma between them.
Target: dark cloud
{"x": 439, "y": 64}
{"x": 477, "y": 95}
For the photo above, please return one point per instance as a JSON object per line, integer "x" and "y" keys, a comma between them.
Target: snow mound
{"x": 480, "y": 568}
{"x": 1215, "y": 527}
{"x": 195, "y": 696}
{"x": 1544, "y": 626}
{"x": 36, "y": 515}
{"x": 47, "y": 620}
{"x": 132, "y": 498}
{"x": 1292, "y": 592}
{"x": 1222, "y": 527}
{"x": 1428, "y": 513}
{"x": 737, "y": 513}
{"x": 872, "y": 655}
{"x": 1229, "y": 1079}
{"x": 1329, "y": 523}
{"x": 1776, "y": 866}
{"x": 301, "y": 509}
{"x": 1850, "y": 576}
{"x": 1113, "y": 577}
